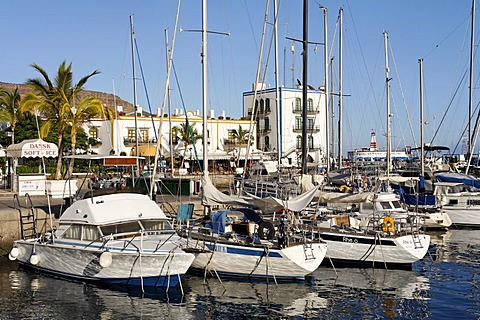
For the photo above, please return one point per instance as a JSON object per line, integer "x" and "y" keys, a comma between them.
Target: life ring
{"x": 388, "y": 224}
{"x": 266, "y": 230}
{"x": 344, "y": 188}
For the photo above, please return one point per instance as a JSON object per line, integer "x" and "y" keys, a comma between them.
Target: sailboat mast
{"x": 170, "y": 138}
{"x": 422, "y": 159}
{"x": 340, "y": 79}
{"x": 132, "y": 38}
{"x": 277, "y": 90}
{"x": 304, "y": 87}
{"x": 204, "y": 84}
{"x": 326, "y": 88}
{"x": 470, "y": 89}
{"x": 387, "y": 86}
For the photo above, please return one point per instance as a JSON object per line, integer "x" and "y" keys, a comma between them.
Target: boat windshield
{"x": 396, "y": 204}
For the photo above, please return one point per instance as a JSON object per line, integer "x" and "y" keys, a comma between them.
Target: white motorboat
{"x": 460, "y": 202}
{"x": 239, "y": 243}
{"x": 112, "y": 238}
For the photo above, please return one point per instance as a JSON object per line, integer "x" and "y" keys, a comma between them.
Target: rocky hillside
{"x": 107, "y": 98}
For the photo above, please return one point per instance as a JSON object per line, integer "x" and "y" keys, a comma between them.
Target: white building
{"x": 118, "y": 137}
{"x": 289, "y": 122}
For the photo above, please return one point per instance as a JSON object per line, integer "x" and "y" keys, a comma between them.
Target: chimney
{"x": 212, "y": 114}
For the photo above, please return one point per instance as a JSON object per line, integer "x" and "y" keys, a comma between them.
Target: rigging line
{"x": 448, "y": 107}
{"x": 145, "y": 87}
{"x": 446, "y": 37}
{"x": 186, "y": 116}
{"x": 465, "y": 129}
{"x": 403, "y": 99}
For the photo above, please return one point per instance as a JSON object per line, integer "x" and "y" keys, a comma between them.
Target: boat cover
{"x": 467, "y": 179}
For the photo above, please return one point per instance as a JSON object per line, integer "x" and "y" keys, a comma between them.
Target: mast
{"x": 304, "y": 87}
{"x": 135, "y": 107}
{"x": 167, "y": 56}
{"x": 277, "y": 93}
{"x": 326, "y": 88}
{"x": 470, "y": 89}
{"x": 422, "y": 159}
{"x": 204, "y": 85}
{"x": 340, "y": 79}
{"x": 387, "y": 86}
{"x": 332, "y": 108}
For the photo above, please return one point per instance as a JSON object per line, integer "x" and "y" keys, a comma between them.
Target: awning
{"x": 147, "y": 150}
{"x": 33, "y": 148}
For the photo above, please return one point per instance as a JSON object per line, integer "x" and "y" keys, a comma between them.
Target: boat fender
{"x": 34, "y": 259}
{"x": 13, "y": 255}
{"x": 344, "y": 188}
{"x": 388, "y": 224}
{"x": 105, "y": 259}
{"x": 266, "y": 230}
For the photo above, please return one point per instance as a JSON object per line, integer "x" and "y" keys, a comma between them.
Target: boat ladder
{"x": 308, "y": 249}
{"x": 28, "y": 221}
{"x": 416, "y": 240}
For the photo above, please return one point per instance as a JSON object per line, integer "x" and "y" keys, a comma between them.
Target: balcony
{"x": 130, "y": 142}
{"x": 310, "y": 111}
{"x": 310, "y": 129}
{"x": 264, "y": 129}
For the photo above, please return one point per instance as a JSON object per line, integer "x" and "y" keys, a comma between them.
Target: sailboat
{"x": 239, "y": 242}
{"x": 381, "y": 234}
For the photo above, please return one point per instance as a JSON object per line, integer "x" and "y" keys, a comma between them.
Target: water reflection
{"x": 444, "y": 285}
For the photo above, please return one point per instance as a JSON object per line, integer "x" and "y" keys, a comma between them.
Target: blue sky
{"x": 96, "y": 35}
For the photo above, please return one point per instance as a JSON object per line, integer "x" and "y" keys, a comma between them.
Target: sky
{"x": 96, "y": 35}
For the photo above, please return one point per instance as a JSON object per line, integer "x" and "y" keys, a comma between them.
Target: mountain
{"x": 107, "y": 98}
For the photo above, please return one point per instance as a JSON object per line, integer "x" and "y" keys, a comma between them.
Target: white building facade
{"x": 287, "y": 122}
{"x": 118, "y": 136}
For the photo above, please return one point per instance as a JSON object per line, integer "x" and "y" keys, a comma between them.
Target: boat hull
{"x": 294, "y": 262}
{"x": 371, "y": 250}
{"x": 162, "y": 269}
{"x": 464, "y": 217}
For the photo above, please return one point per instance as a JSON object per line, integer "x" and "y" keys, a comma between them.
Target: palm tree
{"x": 9, "y": 108}
{"x": 54, "y": 102}
{"x": 188, "y": 134}
{"x": 241, "y": 136}
{"x": 86, "y": 109}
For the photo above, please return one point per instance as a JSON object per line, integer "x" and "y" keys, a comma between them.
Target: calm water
{"x": 445, "y": 285}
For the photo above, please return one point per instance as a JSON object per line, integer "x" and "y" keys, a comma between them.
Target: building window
{"x": 267, "y": 143}
{"x": 298, "y": 123}
{"x": 310, "y": 142}
{"x": 310, "y": 123}
{"x": 144, "y": 135}
{"x": 267, "y": 105}
{"x": 299, "y": 142}
{"x": 256, "y": 106}
{"x": 267, "y": 124}
{"x": 262, "y": 106}
{"x": 131, "y": 135}
{"x": 93, "y": 133}
{"x": 310, "y": 105}
{"x": 298, "y": 104}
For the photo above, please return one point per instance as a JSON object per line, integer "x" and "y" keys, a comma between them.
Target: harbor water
{"x": 444, "y": 285}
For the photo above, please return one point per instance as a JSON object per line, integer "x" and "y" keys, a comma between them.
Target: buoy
{"x": 14, "y": 253}
{"x": 34, "y": 259}
{"x": 105, "y": 259}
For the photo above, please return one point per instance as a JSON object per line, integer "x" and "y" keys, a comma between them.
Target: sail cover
{"x": 212, "y": 196}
